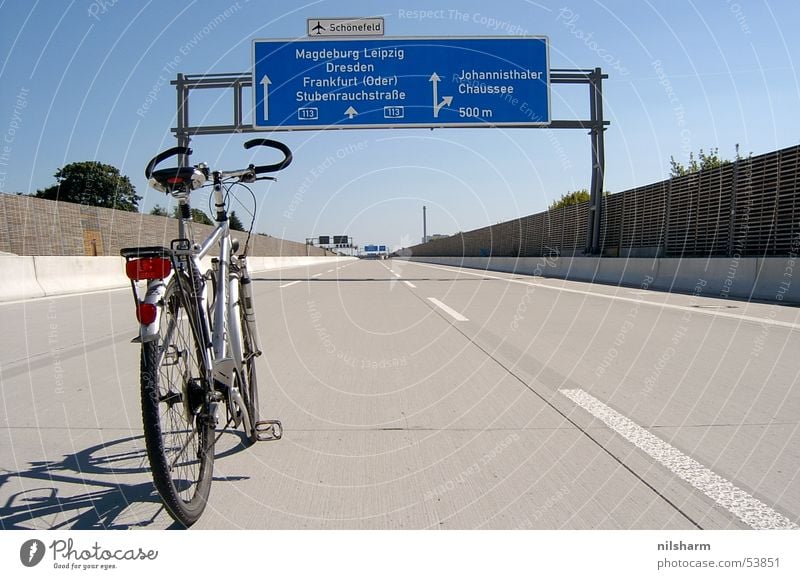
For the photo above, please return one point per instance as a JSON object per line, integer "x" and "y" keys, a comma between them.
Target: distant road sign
{"x": 401, "y": 82}
{"x": 340, "y": 239}
{"x": 345, "y": 27}
{"x": 324, "y": 239}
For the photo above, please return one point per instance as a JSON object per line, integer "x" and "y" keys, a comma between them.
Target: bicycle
{"x": 198, "y": 335}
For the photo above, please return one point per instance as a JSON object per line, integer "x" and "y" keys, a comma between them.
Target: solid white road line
{"x": 447, "y": 309}
{"x": 738, "y": 502}
{"x": 701, "y": 311}
{"x": 290, "y": 283}
{"x": 409, "y": 284}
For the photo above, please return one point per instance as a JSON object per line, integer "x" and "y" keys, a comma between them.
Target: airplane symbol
{"x": 319, "y": 27}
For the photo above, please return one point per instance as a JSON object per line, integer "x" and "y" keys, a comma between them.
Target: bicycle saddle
{"x": 175, "y": 178}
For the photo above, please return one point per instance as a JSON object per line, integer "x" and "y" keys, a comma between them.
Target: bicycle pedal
{"x": 269, "y": 430}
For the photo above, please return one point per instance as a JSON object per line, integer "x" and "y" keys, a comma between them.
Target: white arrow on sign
{"x": 265, "y": 82}
{"x": 351, "y": 112}
{"x": 437, "y": 106}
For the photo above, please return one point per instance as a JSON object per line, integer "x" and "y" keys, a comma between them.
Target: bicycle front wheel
{"x": 178, "y": 431}
{"x": 250, "y": 391}
{"x": 245, "y": 350}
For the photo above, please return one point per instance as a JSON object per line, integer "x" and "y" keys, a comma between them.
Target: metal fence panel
{"x": 749, "y": 207}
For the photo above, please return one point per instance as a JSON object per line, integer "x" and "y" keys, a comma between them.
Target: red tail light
{"x": 148, "y": 268}
{"x": 146, "y": 313}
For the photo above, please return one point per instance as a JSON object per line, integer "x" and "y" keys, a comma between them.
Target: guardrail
{"x": 26, "y": 277}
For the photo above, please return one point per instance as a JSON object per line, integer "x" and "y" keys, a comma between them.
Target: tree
{"x": 703, "y": 161}
{"x": 198, "y": 216}
{"x": 159, "y": 211}
{"x": 739, "y": 157}
{"x": 570, "y": 198}
{"x": 93, "y": 183}
{"x": 235, "y": 222}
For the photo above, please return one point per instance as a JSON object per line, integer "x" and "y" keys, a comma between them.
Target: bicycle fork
{"x": 265, "y": 429}
{"x": 246, "y": 284}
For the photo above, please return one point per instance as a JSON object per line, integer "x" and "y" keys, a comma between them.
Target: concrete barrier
{"x": 63, "y": 275}
{"x": 777, "y": 279}
{"x": 576, "y": 268}
{"x": 26, "y": 277}
{"x": 676, "y": 273}
{"x": 18, "y": 279}
{"x": 712, "y": 277}
{"x": 769, "y": 279}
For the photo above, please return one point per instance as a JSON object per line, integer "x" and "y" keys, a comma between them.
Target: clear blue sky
{"x": 683, "y": 76}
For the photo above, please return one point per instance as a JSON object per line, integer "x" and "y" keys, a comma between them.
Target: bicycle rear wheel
{"x": 178, "y": 431}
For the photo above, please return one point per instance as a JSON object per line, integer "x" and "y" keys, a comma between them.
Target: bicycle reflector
{"x": 148, "y": 268}
{"x": 146, "y": 313}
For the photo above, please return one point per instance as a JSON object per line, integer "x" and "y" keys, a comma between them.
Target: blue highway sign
{"x": 400, "y": 82}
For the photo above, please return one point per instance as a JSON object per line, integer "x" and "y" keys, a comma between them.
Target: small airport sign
{"x": 319, "y": 27}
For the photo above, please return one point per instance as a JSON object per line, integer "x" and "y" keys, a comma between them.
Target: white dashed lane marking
{"x": 702, "y": 311}
{"x": 448, "y": 310}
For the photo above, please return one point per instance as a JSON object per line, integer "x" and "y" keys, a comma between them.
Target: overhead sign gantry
{"x": 400, "y": 82}
{"x": 495, "y": 82}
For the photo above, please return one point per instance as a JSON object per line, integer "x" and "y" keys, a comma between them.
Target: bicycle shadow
{"x": 86, "y": 490}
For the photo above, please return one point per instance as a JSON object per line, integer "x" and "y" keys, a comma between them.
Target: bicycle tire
{"x": 250, "y": 389}
{"x": 178, "y": 432}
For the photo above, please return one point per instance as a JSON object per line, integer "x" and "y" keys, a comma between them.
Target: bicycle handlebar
{"x": 274, "y": 145}
{"x": 253, "y": 170}
{"x": 148, "y": 171}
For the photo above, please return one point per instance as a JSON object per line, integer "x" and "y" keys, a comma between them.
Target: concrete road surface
{"x": 416, "y": 396}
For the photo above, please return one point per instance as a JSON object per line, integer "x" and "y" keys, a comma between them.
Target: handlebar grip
{"x": 148, "y": 171}
{"x": 274, "y": 145}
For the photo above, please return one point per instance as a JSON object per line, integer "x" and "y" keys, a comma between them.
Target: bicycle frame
{"x": 222, "y": 351}
{"x": 197, "y": 355}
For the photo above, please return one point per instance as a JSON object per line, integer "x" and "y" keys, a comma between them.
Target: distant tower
{"x": 424, "y": 225}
